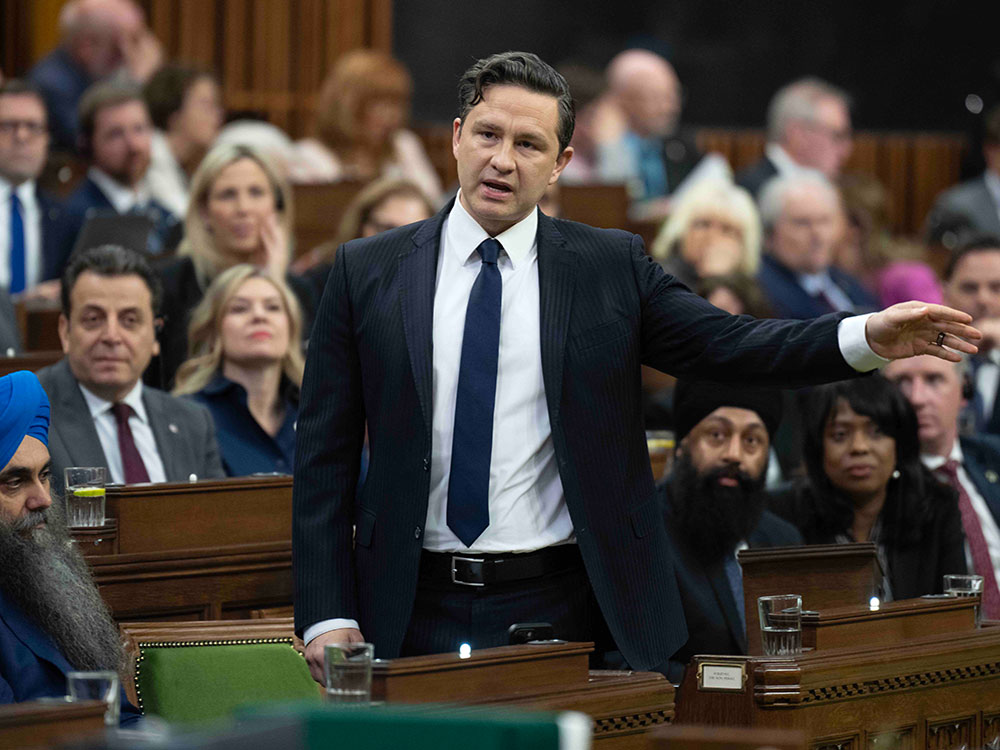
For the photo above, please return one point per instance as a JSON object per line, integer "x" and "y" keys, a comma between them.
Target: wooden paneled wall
{"x": 913, "y": 167}
{"x": 271, "y": 55}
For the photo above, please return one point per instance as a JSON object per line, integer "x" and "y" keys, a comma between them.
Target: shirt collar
{"x": 936, "y": 462}
{"x": 464, "y": 235}
{"x": 121, "y": 197}
{"x": 814, "y": 283}
{"x": 784, "y": 162}
{"x": 992, "y": 180}
{"x": 99, "y": 406}
{"x": 25, "y": 191}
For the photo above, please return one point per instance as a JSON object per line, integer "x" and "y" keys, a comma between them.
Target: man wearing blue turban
{"x": 52, "y": 618}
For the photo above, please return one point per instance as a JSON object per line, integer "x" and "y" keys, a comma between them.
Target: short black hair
{"x": 978, "y": 244}
{"x": 110, "y": 260}
{"x": 166, "y": 90}
{"x": 518, "y": 69}
{"x": 21, "y": 87}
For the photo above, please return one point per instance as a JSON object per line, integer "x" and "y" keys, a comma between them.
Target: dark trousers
{"x": 446, "y": 615}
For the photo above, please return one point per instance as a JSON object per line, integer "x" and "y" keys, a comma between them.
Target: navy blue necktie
{"x": 17, "y": 281}
{"x": 469, "y": 482}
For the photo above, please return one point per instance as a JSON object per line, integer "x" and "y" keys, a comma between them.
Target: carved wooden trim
{"x": 991, "y": 731}
{"x": 951, "y": 734}
{"x": 630, "y": 723}
{"x": 842, "y": 742}
{"x": 828, "y": 693}
{"x": 892, "y": 739}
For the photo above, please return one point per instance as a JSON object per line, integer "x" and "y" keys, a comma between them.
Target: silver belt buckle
{"x": 454, "y": 571}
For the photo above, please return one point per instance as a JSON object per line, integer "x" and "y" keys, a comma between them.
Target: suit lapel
{"x": 720, "y": 585}
{"x": 170, "y": 441}
{"x": 31, "y": 635}
{"x": 977, "y": 468}
{"x": 556, "y": 281}
{"x": 77, "y": 428}
{"x": 417, "y": 270}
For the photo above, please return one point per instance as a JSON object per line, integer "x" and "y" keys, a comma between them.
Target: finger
{"x": 940, "y": 313}
{"x": 960, "y": 330}
{"x": 953, "y": 343}
{"x": 944, "y": 353}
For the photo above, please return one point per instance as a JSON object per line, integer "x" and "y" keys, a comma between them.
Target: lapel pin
{"x": 173, "y": 428}
{"x": 192, "y": 477}
{"x": 991, "y": 477}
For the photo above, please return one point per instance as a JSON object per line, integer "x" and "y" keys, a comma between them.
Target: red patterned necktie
{"x": 132, "y": 465}
{"x": 977, "y": 542}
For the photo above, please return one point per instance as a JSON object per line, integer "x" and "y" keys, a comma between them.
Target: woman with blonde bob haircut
{"x": 246, "y": 366}
{"x": 359, "y": 132}
{"x": 713, "y": 230}
{"x": 240, "y": 212}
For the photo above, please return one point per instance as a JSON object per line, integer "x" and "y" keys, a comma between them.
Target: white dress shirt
{"x": 167, "y": 180}
{"x": 785, "y": 164}
{"x": 123, "y": 198}
{"x": 142, "y": 434}
{"x": 992, "y": 181}
{"x": 527, "y": 508}
{"x": 991, "y": 533}
{"x": 31, "y": 215}
{"x": 816, "y": 283}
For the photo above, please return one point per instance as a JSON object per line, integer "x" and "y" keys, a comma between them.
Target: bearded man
{"x": 714, "y": 506}
{"x": 52, "y": 618}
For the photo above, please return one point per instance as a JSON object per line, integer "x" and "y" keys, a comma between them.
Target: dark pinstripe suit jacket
{"x": 606, "y": 308}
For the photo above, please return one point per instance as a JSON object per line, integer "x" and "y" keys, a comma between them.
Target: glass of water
{"x": 965, "y": 585}
{"x": 349, "y": 672}
{"x": 96, "y": 686}
{"x": 85, "y": 495}
{"x": 781, "y": 624}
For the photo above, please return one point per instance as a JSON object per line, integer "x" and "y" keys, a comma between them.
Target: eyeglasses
{"x": 31, "y": 129}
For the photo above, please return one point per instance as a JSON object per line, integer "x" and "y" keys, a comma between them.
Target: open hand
{"x": 912, "y": 328}
{"x": 315, "y": 652}
{"x": 275, "y": 244}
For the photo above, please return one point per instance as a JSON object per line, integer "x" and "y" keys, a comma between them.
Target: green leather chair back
{"x": 196, "y": 681}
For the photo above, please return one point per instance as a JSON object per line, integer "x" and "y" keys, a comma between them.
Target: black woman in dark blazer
{"x": 865, "y": 482}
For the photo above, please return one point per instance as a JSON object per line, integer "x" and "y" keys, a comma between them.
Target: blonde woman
{"x": 714, "y": 230}
{"x": 240, "y": 212}
{"x": 246, "y": 366}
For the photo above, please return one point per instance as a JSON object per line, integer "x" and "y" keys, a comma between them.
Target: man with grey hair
{"x": 635, "y": 129}
{"x": 52, "y": 618}
{"x": 802, "y": 219}
{"x": 808, "y": 127}
{"x": 97, "y": 39}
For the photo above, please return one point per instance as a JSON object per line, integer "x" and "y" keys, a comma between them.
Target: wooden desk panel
{"x": 938, "y": 693}
{"x": 199, "y": 515}
{"x": 45, "y": 724}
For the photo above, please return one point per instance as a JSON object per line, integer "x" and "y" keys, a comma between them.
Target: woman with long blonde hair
{"x": 240, "y": 212}
{"x": 246, "y": 366}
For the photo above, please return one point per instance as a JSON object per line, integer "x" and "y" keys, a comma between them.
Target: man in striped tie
{"x": 938, "y": 391}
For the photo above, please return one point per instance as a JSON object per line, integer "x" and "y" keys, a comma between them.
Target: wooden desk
{"x": 33, "y": 361}
{"x": 623, "y": 705}
{"x": 826, "y": 575}
{"x": 318, "y": 211}
{"x": 39, "y": 323}
{"x": 45, "y": 724}
{"x": 198, "y": 551}
{"x": 938, "y": 693}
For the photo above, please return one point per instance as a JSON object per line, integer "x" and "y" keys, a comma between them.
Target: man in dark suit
{"x": 808, "y": 128}
{"x": 52, "y": 618}
{"x": 970, "y": 463}
{"x": 972, "y": 285}
{"x": 973, "y": 207}
{"x": 493, "y": 354}
{"x": 32, "y": 246}
{"x": 801, "y": 218}
{"x": 102, "y": 414}
{"x": 714, "y": 506}
{"x": 116, "y": 135}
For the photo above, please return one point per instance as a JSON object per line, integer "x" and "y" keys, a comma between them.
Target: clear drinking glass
{"x": 349, "y": 672}
{"x": 85, "y": 495}
{"x": 660, "y": 444}
{"x": 781, "y": 624}
{"x": 96, "y": 686}
{"x": 956, "y": 584}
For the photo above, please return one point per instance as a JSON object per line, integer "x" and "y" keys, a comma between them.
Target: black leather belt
{"x": 471, "y": 569}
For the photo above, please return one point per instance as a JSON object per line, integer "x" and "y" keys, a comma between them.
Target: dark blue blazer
{"x": 754, "y": 178}
{"x": 981, "y": 460}
{"x": 62, "y": 83}
{"x": 605, "y": 309}
{"x": 789, "y": 300}
{"x": 57, "y": 238}
{"x": 30, "y": 664}
{"x": 88, "y": 199}
{"x": 711, "y": 613}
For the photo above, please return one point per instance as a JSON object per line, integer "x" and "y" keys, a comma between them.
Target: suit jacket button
{"x": 416, "y": 532}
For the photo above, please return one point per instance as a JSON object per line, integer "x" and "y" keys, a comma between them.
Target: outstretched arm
{"x": 912, "y": 328}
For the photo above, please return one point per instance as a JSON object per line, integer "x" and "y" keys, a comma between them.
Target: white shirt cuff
{"x": 325, "y": 626}
{"x": 854, "y": 344}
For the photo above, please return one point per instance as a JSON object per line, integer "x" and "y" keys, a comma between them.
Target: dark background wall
{"x": 909, "y": 65}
